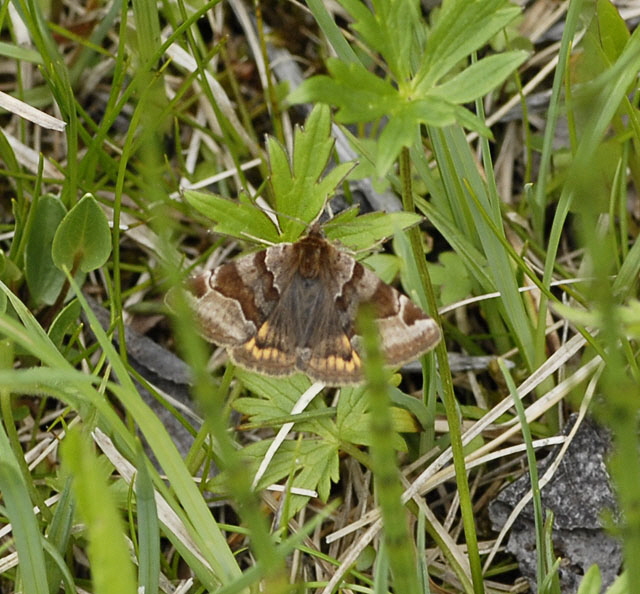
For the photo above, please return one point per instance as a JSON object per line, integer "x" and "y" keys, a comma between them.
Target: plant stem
{"x": 448, "y": 396}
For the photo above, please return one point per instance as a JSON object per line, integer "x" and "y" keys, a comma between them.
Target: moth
{"x": 292, "y": 308}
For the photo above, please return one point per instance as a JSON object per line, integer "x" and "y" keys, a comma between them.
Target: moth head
{"x": 314, "y": 254}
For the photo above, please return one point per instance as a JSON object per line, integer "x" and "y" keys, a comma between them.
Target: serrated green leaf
{"x": 479, "y": 78}
{"x": 463, "y": 26}
{"x": 345, "y": 216}
{"x": 354, "y": 422}
{"x": 43, "y": 277}
{"x": 379, "y": 29}
{"x": 239, "y": 219}
{"x": 360, "y": 95}
{"x": 328, "y": 184}
{"x": 276, "y": 398}
{"x": 452, "y": 277}
{"x": 298, "y": 189}
{"x": 314, "y": 462}
{"x": 83, "y": 239}
{"x": 286, "y": 388}
{"x": 367, "y": 230}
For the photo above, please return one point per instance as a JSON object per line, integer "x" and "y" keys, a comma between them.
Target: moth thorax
{"x": 311, "y": 260}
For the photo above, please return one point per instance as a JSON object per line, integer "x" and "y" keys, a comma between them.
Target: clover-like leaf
{"x": 43, "y": 277}
{"x": 83, "y": 239}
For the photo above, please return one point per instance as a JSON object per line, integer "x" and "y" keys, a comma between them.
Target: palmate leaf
{"x": 275, "y": 397}
{"x": 299, "y": 190}
{"x": 410, "y": 97}
{"x": 462, "y": 27}
{"x": 360, "y": 95}
{"x": 241, "y": 219}
{"x": 354, "y": 419}
{"x": 313, "y": 464}
{"x": 378, "y": 29}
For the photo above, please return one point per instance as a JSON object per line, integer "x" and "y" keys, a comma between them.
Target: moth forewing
{"x": 292, "y": 308}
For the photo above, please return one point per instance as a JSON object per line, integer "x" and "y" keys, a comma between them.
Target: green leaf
{"x": 44, "y": 278}
{"x": 9, "y": 272}
{"x": 612, "y": 29}
{"x": 332, "y": 32}
{"x": 241, "y": 219}
{"x": 591, "y": 582}
{"x": 353, "y": 419}
{"x": 65, "y": 322}
{"x": 471, "y": 121}
{"x": 276, "y": 398}
{"x": 59, "y": 531}
{"x": 479, "y": 78}
{"x": 462, "y": 27}
{"x": 402, "y": 128}
{"x": 386, "y": 266}
{"x": 16, "y": 52}
{"x": 314, "y": 464}
{"x": 360, "y": 95}
{"x": 452, "y": 277}
{"x": 298, "y": 189}
{"x": 621, "y": 584}
{"x": 379, "y": 30}
{"x": 83, "y": 239}
{"x": 148, "y": 529}
{"x": 363, "y": 232}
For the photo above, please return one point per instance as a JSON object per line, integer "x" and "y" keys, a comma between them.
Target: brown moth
{"x": 292, "y": 308}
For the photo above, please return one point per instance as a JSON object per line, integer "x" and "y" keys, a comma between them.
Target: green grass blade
{"x": 111, "y": 566}
{"x": 28, "y": 540}
{"x": 148, "y": 530}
